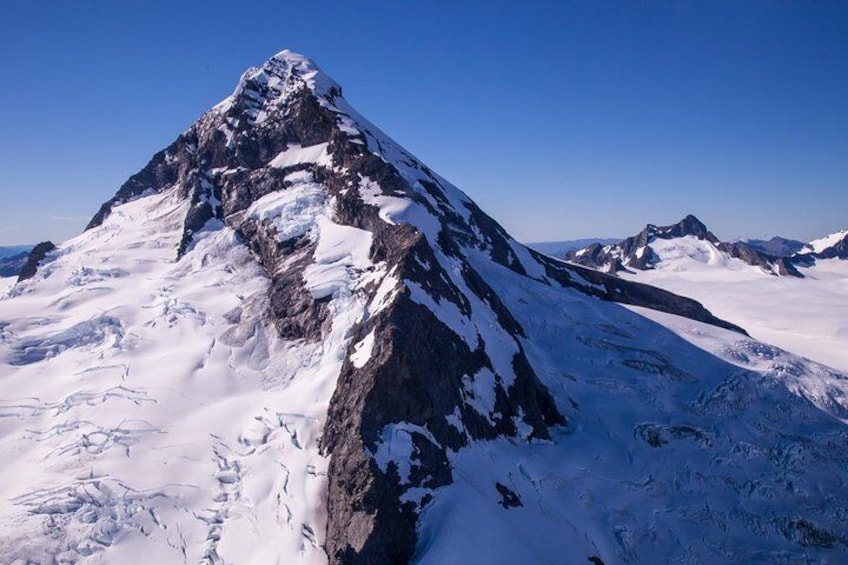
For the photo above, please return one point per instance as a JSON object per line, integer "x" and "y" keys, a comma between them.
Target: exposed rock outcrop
{"x": 35, "y": 257}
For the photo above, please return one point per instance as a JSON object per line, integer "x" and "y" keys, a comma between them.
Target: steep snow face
{"x": 286, "y": 339}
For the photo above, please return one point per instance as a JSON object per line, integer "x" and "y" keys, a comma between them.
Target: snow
{"x": 396, "y": 447}
{"x": 808, "y": 316}
{"x": 295, "y": 154}
{"x": 395, "y": 210}
{"x": 598, "y": 488}
{"x": 447, "y": 312}
{"x": 292, "y": 212}
{"x": 480, "y": 392}
{"x": 147, "y": 406}
{"x": 819, "y": 245}
{"x": 340, "y": 250}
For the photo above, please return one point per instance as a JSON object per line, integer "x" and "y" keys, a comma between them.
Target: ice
{"x": 292, "y": 211}
{"x": 808, "y": 316}
{"x": 362, "y": 351}
{"x": 297, "y": 155}
{"x": 159, "y": 415}
{"x": 626, "y": 479}
{"x": 340, "y": 250}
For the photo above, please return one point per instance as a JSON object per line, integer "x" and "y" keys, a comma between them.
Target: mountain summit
{"x": 638, "y": 252}
{"x": 287, "y": 338}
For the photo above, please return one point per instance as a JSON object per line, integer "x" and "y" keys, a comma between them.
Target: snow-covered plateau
{"x": 808, "y": 316}
{"x": 286, "y": 340}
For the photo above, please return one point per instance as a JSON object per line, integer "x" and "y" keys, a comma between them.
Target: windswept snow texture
{"x": 286, "y": 340}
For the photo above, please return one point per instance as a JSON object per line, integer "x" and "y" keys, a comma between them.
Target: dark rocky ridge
{"x": 34, "y": 258}
{"x": 636, "y": 253}
{"x": 221, "y": 166}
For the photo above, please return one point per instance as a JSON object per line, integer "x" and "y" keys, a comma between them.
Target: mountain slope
{"x": 833, "y": 246}
{"x": 286, "y": 338}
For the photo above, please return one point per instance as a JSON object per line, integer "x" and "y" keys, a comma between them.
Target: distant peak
{"x": 689, "y": 225}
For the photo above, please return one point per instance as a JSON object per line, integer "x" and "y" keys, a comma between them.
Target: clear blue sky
{"x": 561, "y": 119}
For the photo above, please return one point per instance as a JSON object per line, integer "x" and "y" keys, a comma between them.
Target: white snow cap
{"x": 819, "y": 245}
{"x": 287, "y": 70}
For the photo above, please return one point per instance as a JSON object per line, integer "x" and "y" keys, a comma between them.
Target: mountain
{"x": 560, "y": 248}
{"x": 288, "y": 340}
{"x": 776, "y": 246}
{"x": 642, "y": 251}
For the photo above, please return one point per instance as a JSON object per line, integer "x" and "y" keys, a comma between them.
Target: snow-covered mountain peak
{"x": 689, "y": 225}
{"x": 687, "y": 240}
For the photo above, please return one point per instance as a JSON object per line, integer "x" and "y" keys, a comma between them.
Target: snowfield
{"x": 807, "y": 316}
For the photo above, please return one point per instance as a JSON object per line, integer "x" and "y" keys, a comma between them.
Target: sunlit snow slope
{"x": 147, "y": 407}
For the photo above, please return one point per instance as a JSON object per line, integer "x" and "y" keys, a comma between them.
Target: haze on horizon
{"x": 564, "y": 120}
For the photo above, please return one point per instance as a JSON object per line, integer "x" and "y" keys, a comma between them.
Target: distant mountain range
{"x": 12, "y": 259}
{"x": 775, "y": 256}
{"x": 777, "y": 246}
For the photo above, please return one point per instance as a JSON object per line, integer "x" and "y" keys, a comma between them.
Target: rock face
{"x": 36, "y": 256}
{"x": 636, "y": 252}
{"x": 444, "y": 348}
